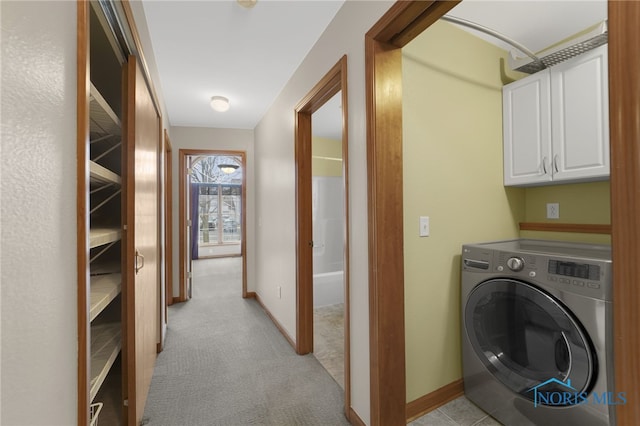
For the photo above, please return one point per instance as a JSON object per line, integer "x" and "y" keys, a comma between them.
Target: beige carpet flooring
{"x": 225, "y": 363}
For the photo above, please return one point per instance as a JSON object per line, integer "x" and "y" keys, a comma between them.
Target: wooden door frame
{"x": 168, "y": 233}
{"x": 167, "y": 246}
{"x": 401, "y": 24}
{"x": 333, "y": 82}
{"x": 182, "y": 157}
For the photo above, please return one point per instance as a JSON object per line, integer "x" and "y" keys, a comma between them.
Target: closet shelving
{"x": 104, "y": 239}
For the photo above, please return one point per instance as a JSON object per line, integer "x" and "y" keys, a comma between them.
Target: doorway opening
{"x": 327, "y": 191}
{"x": 311, "y": 234}
{"x": 212, "y": 213}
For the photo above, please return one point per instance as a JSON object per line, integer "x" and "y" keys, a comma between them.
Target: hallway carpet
{"x": 225, "y": 363}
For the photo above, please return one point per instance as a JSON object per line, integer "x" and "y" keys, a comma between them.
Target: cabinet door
{"x": 580, "y": 120}
{"x": 141, "y": 240}
{"x": 526, "y": 108}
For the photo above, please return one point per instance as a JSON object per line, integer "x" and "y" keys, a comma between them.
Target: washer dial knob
{"x": 515, "y": 264}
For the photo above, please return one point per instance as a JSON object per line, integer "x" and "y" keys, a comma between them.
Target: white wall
{"x": 214, "y": 139}
{"x": 275, "y": 185}
{"x": 38, "y": 240}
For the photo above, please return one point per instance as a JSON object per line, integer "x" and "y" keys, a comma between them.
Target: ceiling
{"x": 207, "y": 48}
{"x": 219, "y": 48}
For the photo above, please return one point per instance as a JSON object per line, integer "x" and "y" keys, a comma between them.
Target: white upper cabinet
{"x": 556, "y": 123}
{"x": 526, "y": 107}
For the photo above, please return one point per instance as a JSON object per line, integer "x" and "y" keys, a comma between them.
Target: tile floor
{"x": 459, "y": 412}
{"x": 328, "y": 339}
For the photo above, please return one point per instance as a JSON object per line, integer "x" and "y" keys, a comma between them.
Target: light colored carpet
{"x": 225, "y": 363}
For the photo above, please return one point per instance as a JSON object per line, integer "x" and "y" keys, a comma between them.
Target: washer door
{"x": 525, "y": 337}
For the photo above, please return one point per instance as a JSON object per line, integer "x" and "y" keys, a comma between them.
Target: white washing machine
{"x": 537, "y": 332}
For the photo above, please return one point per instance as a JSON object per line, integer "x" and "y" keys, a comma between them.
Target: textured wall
{"x": 38, "y": 237}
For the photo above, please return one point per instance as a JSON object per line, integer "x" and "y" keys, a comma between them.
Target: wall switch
{"x": 553, "y": 211}
{"x": 279, "y": 292}
{"x": 424, "y": 226}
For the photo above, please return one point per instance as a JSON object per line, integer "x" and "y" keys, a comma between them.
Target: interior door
{"x": 142, "y": 124}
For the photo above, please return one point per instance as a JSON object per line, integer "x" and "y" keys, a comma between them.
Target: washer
{"x": 536, "y": 321}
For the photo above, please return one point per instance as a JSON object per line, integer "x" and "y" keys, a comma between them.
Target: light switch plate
{"x": 424, "y": 226}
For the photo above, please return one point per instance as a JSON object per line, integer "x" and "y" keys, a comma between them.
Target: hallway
{"x": 225, "y": 363}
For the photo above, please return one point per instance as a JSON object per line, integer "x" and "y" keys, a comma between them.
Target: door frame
{"x": 168, "y": 233}
{"x": 333, "y": 82}
{"x": 383, "y": 42}
{"x": 182, "y": 208}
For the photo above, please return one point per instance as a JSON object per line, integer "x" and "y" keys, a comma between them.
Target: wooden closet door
{"x": 141, "y": 234}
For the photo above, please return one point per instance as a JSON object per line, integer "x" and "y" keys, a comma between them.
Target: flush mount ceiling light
{"x": 228, "y": 168}
{"x": 219, "y": 103}
{"x": 247, "y": 3}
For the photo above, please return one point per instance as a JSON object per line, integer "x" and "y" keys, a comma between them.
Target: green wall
{"x": 579, "y": 203}
{"x": 452, "y": 131}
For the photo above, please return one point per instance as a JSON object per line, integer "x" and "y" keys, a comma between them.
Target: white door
{"x": 527, "y": 130}
{"x": 580, "y": 123}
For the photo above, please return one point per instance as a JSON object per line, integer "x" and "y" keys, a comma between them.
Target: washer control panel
{"x": 589, "y": 277}
{"x": 516, "y": 264}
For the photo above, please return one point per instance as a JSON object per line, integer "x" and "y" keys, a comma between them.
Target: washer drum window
{"x": 524, "y": 337}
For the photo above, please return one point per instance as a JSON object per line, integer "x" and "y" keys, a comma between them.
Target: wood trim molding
{"x": 624, "y": 110}
{"x": 251, "y": 295}
{"x": 168, "y": 220}
{"x": 584, "y": 228}
{"x": 182, "y": 154}
{"x": 279, "y": 326}
{"x": 383, "y": 79}
{"x": 326, "y": 88}
{"x": 128, "y": 12}
{"x": 386, "y": 243}
{"x": 433, "y": 400}
{"x": 82, "y": 248}
{"x": 182, "y": 226}
{"x": 331, "y": 83}
{"x": 354, "y": 419}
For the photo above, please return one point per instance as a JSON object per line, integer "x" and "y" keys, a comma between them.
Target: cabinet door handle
{"x": 544, "y": 166}
{"x": 139, "y": 261}
{"x": 555, "y": 163}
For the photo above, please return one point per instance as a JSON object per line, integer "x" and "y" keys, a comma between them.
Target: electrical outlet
{"x": 279, "y": 292}
{"x": 553, "y": 211}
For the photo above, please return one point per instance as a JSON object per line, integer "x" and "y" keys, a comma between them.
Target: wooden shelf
{"x": 101, "y": 236}
{"x": 103, "y": 120}
{"x": 105, "y": 347}
{"x": 104, "y": 288}
{"x": 101, "y": 175}
{"x": 585, "y": 228}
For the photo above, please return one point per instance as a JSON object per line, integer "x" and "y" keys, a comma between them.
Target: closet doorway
{"x": 212, "y": 214}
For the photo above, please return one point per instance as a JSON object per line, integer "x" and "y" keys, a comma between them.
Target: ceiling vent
{"x": 574, "y": 46}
